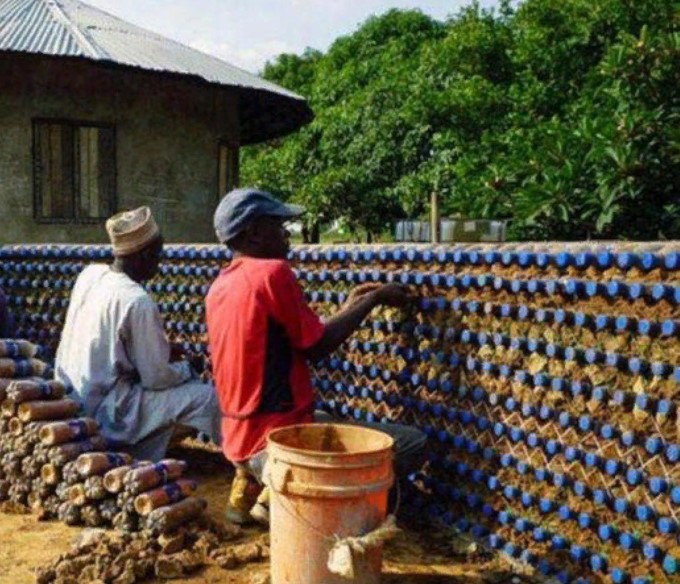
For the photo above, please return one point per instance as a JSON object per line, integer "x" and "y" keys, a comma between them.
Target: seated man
{"x": 262, "y": 334}
{"x": 114, "y": 352}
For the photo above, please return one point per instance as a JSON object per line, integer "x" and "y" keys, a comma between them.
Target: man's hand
{"x": 394, "y": 295}
{"x": 177, "y": 352}
{"x": 360, "y": 291}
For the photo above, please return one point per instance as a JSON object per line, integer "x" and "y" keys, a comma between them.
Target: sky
{"x": 248, "y": 33}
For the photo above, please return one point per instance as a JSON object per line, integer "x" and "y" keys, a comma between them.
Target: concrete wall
{"x": 167, "y": 136}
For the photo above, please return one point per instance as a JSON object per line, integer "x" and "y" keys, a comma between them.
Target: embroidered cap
{"x": 131, "y": 231}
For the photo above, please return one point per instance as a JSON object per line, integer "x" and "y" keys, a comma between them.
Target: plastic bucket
{"x": 327, "y": 481}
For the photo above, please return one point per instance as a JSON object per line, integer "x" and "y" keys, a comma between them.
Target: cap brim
{"x": 288, "y": 211}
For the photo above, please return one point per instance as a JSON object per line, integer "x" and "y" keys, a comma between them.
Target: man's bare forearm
{"x": 341, "y": 325}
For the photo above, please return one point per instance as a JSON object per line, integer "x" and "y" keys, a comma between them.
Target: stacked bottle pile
{"x": 545, "y": 376}
{"x": 57, "y": 463}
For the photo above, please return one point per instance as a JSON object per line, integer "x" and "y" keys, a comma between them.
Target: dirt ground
{"x": 417, "y": 557}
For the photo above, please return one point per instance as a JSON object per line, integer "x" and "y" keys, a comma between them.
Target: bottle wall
{"x": 546, "y": 377}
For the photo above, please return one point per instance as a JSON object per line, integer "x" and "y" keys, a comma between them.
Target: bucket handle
{"x": 280, "y": 476}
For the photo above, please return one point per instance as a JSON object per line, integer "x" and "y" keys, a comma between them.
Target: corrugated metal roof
{"x": 69, "y": 28}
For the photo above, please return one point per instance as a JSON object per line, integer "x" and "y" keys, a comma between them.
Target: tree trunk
{"x": 315, "y": 235}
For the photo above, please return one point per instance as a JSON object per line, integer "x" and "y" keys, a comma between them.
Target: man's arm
{"x": 344, "y": 323}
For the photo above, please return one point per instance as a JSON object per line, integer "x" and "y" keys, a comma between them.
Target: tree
{"x": 561, "y": 115}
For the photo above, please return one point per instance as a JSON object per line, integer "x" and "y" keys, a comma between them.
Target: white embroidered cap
{"x": 131, "y": 231}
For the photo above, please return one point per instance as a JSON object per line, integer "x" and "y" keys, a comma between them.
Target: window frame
{"x": 236, "y": 148}
{"x": 38, "y": 164}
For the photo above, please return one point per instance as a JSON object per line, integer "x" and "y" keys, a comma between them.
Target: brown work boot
{"x": 242, "y": 496}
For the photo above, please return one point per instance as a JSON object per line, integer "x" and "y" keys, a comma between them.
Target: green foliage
{"x": 561, "y": 115}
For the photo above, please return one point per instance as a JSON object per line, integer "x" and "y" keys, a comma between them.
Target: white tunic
{"x": 115, "y": 354}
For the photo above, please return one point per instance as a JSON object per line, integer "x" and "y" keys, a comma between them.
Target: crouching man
{"x": 263, "y": 335}
{"x": 114, "y": 352}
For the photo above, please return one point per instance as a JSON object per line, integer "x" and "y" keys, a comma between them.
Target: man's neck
{"x": 122, "y": 268}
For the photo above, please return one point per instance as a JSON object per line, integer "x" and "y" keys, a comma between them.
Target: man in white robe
{"x": 115, "y": 354}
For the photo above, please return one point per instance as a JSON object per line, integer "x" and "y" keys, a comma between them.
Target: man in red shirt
{"x": 263, "y": 334}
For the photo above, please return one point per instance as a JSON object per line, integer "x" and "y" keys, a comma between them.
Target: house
{"x": 98, "y": 115}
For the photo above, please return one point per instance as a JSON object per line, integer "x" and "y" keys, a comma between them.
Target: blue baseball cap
{"x": 241, "y": 206}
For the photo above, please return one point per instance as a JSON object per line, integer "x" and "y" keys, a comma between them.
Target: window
{"x": 74, "y": 171}
{"x": 227, "y": 169}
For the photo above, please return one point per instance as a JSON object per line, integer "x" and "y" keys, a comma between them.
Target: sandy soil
{"x": 418, "y": 557}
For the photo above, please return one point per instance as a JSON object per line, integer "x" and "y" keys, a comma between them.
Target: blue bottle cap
{"x": 658, "y": 485}
{"x": 499, "y": 429}
{"x": 507, "y": 460}
{"x": 505, "y": 517}
{"x": 667, "y": 525}
{"x": 559, "y": 542}
{"x": 546, "y": 505}
{"x": 528, "y": 410}
{"x": 606, "y": 532}
{"x": 565, "y": 419}
{"x": 634, "y": 476}
{"x": 523, "y": 525}
{"x": 673, "y": 452}
{"x": 561, "y": 480}
{"x": 621, "y": 505}
{"x": 580, "y": 488}
{"x": 654, "y": 444}
{"x": 585, "y": 521}
{"x": 636, "y": 290}
{"x": 598, "y": 563}
{"x": 565, "y": 513}
{"x": 511, "y": 550}
{"x": 660, "y": 291}
{"x": 599, "y": 394}
{"x": 558, "y": 384}
{"x": 619, "y": 576}
{"x": 628, "y": 541}
{"x": 670, "y": 564}
{"x": 542, "y": 474}
{"x": 602, "y": 321}
{"x": 540, "y": 534}
{"x": 552, "y": 447}
{"x": 546, "y": 413}
{"x": 493, "y": 483}
{"x": 612, "y": 467}
{"x": 541, "y": 380}
{"x": 651, "y": 552}
{"x": 534, "y": 440}
{"x": 669, "y": 328}
{"x": 625, "y": 260}
{"x": 605, "y": 259}
{"x": 644, "y": 513}
{"x": 600, "y": 497}
{"x": 522, "y": 467}
{"x": 578, "y": 553}
{"x": 585, "y": 423}
{"x": 650, "y": 261}
{"x": 496, "y": 541}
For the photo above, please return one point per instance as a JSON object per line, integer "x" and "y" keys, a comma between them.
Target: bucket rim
{"x": 306, "y": 452}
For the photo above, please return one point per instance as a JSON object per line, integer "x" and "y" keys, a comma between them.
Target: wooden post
{"x": 434, "y": 218}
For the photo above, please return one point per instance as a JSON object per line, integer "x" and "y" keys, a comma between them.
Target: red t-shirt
{"x": 259, "y": 324}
